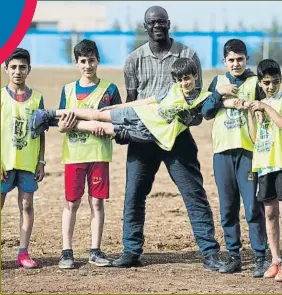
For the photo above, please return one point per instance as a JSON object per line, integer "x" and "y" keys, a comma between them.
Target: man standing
{"x": 147, "y": 73}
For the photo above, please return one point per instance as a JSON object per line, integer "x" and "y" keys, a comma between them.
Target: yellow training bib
{"x": 230, "y": 128}
{"x": 83, "y": 147}
{"x": 268, "y": 145}
{"x": 163, "y": 119}
{"x": 18, "y": 149}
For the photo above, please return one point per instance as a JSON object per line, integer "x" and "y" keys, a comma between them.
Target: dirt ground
{"x": 172, "y": 262}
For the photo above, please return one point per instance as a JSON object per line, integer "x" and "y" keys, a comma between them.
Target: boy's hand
{"x": 39, "y": 172}
{"x": 228, "y": 90}
{"x": 257, "y": 106}
{"x": 4, "y": 175}
{"x": 241, "y": 104}
{"x": 99, "y": 132}
{"x": 259, "y": 116}
{"x": 67, "y": 122}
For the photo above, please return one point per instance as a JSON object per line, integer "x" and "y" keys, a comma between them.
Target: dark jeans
{"x": 143, "y": 161}
{"x": 231, "y": 170}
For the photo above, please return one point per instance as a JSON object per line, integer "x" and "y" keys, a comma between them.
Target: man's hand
{"x": 67, "y": 122}
{"x": 228, "y": 90}
{"x": 39, "y": 172}
{"x": 4, "y": 175}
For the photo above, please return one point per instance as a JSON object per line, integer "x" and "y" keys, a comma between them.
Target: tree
{"x": 270, "y": 47}
{"x": 116, "y": 25}
{"x": 240, "y": 26}
{"x": 174, "y": 28}
{"x": 140, "y": 36}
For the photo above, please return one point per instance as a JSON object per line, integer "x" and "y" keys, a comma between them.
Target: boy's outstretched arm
{"x": 252, "y": 126}
{"x": 260, "y": 106}
{"x": 39, "y": 172}
{"x": 139, "y": 102}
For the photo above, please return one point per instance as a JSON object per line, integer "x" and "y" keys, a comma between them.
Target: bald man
{"x": 147, "y": 73}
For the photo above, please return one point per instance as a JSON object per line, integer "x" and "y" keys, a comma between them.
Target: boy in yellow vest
{"x": 159, "y": 118}
{"x": 267, "y": 157}
{"x": 85, "y": 155}
{"x": 233, "y": 157}
{"x": 22, "y": 157}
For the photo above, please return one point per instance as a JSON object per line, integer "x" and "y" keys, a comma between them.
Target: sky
{"x": 206, "y": 15}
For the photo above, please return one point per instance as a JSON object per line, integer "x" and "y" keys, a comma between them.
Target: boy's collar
{"x": 247, "y": 73}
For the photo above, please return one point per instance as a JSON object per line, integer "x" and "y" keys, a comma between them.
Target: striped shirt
{"x": 150, "y": 75}
{"x": 110, "y": 97}
{"x": 24, "y": 96}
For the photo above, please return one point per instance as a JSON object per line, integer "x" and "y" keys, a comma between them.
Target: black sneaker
{"x": 261, "y": 266}
{"x": 127, "y": 260}
{"x": 232, "y": 265}
{"x": 98, "y": 258}
{"x": 67, "y": 260}
{"x": 213, "y": 262}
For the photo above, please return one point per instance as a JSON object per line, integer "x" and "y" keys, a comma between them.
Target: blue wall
{"x": 49, "y": 48}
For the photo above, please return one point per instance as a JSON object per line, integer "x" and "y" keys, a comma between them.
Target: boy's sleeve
{"x": 54, "y": 122}
{"x": 259, "y": 94}
{"x": 63, "y": 100}
{"x": 116, "y": 99}
{"x": 41, "y": 104}
{"x": 213, "y": 103}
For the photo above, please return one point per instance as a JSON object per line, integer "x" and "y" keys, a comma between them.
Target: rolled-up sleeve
{"x": 212, "y": 105}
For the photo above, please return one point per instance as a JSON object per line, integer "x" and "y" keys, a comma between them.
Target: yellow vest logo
{"x": 19, "y": 133}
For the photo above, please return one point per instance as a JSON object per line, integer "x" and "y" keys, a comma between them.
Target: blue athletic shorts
{"x": 24, "y": 180}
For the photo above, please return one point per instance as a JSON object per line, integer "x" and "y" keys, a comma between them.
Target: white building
{"x": 69, "y": 16}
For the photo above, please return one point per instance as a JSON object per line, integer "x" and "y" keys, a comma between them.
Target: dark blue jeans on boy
{"x": 233, "y": 176}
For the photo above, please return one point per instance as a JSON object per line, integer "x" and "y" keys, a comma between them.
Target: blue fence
{"x": 53, "y": 48}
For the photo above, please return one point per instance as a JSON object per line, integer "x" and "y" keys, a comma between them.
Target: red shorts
{"x": 97, "y": 174}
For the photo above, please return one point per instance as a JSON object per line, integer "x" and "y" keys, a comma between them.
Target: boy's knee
{"x": 72, "y": 206}
{"x": 98, "y": 205}
{"x": 271, "y": 213}
{"x": 27, "y": 206}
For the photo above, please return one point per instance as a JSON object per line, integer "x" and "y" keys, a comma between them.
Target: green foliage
{"x": 140, "y": 36}
{"x": 116, "y": 25}
{"x": 273, "y": 44}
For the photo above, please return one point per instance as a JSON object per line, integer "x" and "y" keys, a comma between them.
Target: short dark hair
{"x": 19, "y": 53}
{"x": 268, "y": 67}
{"x": 183, "y": 67}
{"x": 235, "y": 45}
{"x": 86, "y": 48}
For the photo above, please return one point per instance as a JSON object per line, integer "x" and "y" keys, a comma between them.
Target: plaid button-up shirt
{"x": 150, "y": 75}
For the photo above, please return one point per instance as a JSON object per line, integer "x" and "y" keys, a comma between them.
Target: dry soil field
{"x": 172, "y": 262}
